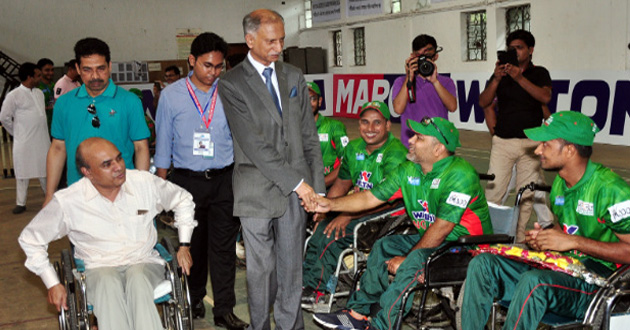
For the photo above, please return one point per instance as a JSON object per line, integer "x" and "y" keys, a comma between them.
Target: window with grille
{"x": 517, "y": 18}
{"x": 359, "y": 46}
{"x": 476, "y": 36}
{"x": 308, "y": 14}
{"x": 395, "y": 6}
{"x": 336, "y": 36}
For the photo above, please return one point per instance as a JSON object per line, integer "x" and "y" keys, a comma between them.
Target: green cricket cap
{"x": 313, "y": 86}
{"x": 378, "y": 106}
{"x": 571, "y": 126}
{"x": 137, "y": 92}
{"x": 438, "y": 127}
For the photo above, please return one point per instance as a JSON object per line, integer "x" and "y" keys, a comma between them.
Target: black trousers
{"x": 214, "y": 239}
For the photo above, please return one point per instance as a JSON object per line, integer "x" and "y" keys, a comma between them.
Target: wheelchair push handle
{"x": 533, "y": 186}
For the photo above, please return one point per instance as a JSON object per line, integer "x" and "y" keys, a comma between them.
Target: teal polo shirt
{"x": 120, "y": 114}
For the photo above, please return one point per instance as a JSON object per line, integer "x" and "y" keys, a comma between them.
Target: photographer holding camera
{"x": 422, "y": 92}
{"x": 521, "y": 90}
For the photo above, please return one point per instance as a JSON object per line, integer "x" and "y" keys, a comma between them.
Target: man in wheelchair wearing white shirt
{"x": 108, "y": 217}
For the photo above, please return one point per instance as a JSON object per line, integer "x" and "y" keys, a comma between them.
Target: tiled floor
{"x": 23, "y": 305}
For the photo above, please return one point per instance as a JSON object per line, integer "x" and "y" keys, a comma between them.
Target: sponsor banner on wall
{"x": 363, "y": 7}
{"x": 602, "y": 95}
{"x": 325, "y": 10}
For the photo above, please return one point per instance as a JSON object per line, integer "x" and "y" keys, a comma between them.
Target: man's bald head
{"x": 101, "y": 162}
{"x": 87, "y": 148}
{"x": 253, "y": 20}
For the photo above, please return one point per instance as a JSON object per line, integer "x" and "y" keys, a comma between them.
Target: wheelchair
{"x": 609, "y": 309}
{"x": 172, "y": 294}
{"x": 372, "y": 227}
{"x": 445, "y": 270}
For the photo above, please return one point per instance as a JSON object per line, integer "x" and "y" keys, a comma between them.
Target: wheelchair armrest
{"x": 163, "y": 252}
{"x": 80, "y": 264}
{"x": 485, "y": 239}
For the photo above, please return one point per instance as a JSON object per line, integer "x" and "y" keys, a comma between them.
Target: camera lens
{"x": 425, "y": 68}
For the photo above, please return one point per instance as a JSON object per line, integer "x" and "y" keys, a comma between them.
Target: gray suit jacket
{"x": 271, "y": 153}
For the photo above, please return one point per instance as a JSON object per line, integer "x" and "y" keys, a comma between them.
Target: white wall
{"x": 570, "y": 34}
{"x": 134, "y": 29}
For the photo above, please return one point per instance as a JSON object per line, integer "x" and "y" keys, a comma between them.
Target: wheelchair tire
{"x": 458, "y": 308}
{"x": 182, "y": 310}
{"x": 72, "y": 321}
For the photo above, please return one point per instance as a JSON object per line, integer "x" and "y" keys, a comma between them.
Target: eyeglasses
{"x": 428, "y": 120}
{"x": 96, "y": 123}
{"x": 313, "y": 98}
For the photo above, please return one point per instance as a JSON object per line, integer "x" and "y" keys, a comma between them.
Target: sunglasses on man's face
{"x": 96, "y": 123}
{"x": 426, "y": 121}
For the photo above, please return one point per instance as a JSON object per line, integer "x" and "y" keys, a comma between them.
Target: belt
{"x": 207, "y": 174}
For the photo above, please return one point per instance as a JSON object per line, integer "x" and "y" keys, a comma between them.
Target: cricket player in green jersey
{"x": 592, "y": 205}
{"x": 366, "y": 162}
{"x": 332, "y": 136}
{"x": 445, "y": 200}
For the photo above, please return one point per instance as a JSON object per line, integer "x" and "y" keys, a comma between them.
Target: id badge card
{"x": 203, "y": 145}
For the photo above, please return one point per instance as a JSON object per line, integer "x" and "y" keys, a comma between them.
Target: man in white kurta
{"x": 23, "y": 116}
{"x": 108, "y": 216}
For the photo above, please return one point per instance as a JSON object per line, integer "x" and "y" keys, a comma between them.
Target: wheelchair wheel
{"x": 70, "y": 316}
{"x": 183, "y": 312}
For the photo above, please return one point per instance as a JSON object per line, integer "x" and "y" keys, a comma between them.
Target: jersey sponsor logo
{"x": 414, "y": 181}
{"x": 559, "y": 200}
{"x": 570, "y": 229}
{"x": 619, "y": 211}
{"x": 423, "y": 217}
{"x": 360, "y": 156}
{"x": 323, "y": 137}
{"x": 58, "y": 90}
{"x": 344, "y": 141}
{"x": 364, "y": 178}
{"x": 435, "y": 183}
{"x": 458, "y": 199}
{"x": 585, "y": 208}
{"x": 379, "y": 158}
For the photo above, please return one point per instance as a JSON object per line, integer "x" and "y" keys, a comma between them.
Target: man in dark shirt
{"x": 521, "y": 91}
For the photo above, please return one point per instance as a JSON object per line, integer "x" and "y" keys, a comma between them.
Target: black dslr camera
{"x": 425, "y": 67}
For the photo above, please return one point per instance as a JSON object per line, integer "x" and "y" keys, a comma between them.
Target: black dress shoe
{"x": 230, "y": 322}
{"x": 19, "y": 209}
{"x": 198, "y": 309}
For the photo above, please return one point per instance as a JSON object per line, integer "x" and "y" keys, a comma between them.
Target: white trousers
{"x": 123, "y": 296}
{"x": 21, "y": 189}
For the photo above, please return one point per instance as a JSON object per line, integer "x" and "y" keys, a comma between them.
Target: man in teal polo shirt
{"x": 592, "y": 205}
{"x": 366, "y": 161}
{"x": 332, "y": 136}
{"x": 99, "y": 108}
{"x": 444, "y": 199}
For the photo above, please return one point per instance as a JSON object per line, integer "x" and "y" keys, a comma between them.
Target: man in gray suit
{"x": 277, "y": 163}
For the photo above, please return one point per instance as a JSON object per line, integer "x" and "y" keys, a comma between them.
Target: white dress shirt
{"x": 106, "y": 233}
{"x": 260, "y": 68}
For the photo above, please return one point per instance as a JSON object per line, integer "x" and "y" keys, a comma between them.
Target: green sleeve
{"x": 615, "y": 202}
{"x": 457, "y": 190}
{"x": 340, "y": 137}
{"x": 344, "y": 170}
{"x": 390, "y": 184}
